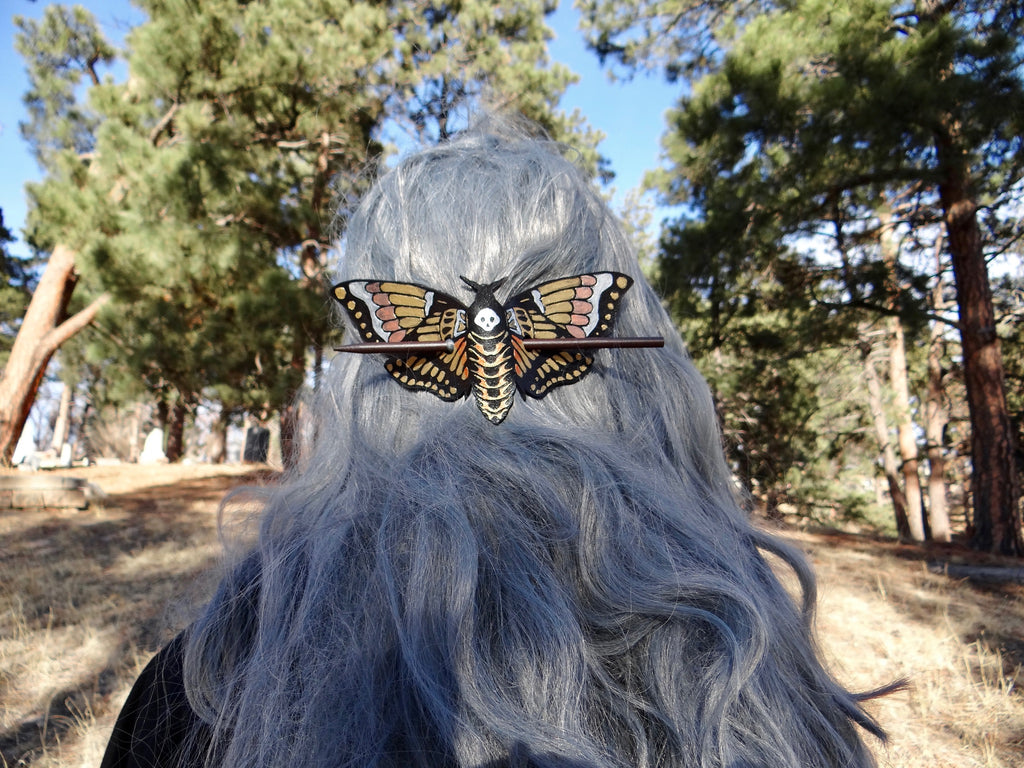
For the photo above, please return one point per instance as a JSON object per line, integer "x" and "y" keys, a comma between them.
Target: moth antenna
{"x": 477, "y": 287}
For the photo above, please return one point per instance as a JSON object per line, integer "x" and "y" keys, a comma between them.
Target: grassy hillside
{"x": 87, "y": 597}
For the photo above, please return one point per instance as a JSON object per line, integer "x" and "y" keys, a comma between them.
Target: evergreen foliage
{"x": 200, "y": 193}
{"x": 62, "y": 50}
{"x": 15, "y": 289}
{"x": 765, "y": 331}
{"x": 850, "y": 132}
{"x": 1009, "y": 298}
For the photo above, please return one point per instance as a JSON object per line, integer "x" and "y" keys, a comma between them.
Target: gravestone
{"x": 153, "y": 448}
{"x": 257, "y": 445}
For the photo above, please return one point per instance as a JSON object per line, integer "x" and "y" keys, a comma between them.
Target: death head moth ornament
{"x": 536, "y": 341}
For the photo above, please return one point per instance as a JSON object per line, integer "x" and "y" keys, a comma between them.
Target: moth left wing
{"x": 389, "y": 312}
{"x": 578, "y": 307}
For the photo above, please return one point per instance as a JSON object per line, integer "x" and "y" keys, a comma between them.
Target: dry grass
{"x": 886, "y": 613}
{"x": 87, "y": 597}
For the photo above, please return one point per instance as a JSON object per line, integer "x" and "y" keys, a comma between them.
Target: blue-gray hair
{"x": 575, "y": 587}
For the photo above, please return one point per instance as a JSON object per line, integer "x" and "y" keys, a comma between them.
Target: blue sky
{"x": 631, "y": 115}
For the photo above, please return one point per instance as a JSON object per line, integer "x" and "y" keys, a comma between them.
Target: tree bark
{"x": 62, "y": 427}
{"x": 217, "y": 442}
{"x": 905, "y": 429}
{"x": 135, "y": 441}
{"x": 176, "y": 432}
{"x": 43, "y": 329}
{"x": 877, "y": 407}
{"x": 995, "y": 490}
{"x": 289, "y": 434}
{"x": 936, "y": 418}
{"x": 889, "y": 245}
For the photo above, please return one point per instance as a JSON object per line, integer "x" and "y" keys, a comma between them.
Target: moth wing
{"x": 390, "y": 312}
{"x": 538, "y": 372}
{"x": 445, "y": 375}
{"x": 578, "y": 307}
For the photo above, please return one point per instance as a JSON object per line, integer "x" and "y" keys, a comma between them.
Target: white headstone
{"x": 26, "y": 445}
{"x": 153, "y": 448}
{"x": 65, "y": 455}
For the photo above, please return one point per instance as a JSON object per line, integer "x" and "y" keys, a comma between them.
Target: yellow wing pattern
{"x": 390, "y": 312}
{"x": 578, "y": 307}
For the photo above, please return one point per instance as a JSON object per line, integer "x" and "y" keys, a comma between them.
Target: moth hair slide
{"x": 536, "y": 341}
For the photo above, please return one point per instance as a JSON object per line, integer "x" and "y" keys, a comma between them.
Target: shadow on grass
{"x": 131, "y": 569}
{"x": 976, "y": 595}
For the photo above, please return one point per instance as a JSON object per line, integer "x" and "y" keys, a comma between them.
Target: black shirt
{"x": 157, "y": 727}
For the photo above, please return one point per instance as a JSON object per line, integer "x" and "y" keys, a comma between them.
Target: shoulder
{"x": 157, "y": 727}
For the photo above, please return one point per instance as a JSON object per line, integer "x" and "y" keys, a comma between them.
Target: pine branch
{"x": 162, "y": 124}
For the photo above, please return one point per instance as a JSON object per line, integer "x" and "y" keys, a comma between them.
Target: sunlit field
{"x": 87, "y": 597}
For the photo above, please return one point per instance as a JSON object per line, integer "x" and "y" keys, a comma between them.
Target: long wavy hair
{"x": 575, "y": 587}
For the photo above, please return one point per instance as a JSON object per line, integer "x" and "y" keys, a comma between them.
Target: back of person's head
{"x": 576, "y": 586}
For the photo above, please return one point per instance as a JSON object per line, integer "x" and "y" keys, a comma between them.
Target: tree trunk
{"x": 995, "y": 491}
{"x": 289, "y": 434}
{"x": 905, "y": 429}
{"x": 935, "y": 423}
{"x": 135, "y": 441}
{"x": 42, "y": 331}
{"x": 312, "y": 267}
{"x": 876, "y": 404}
{"x": 62, "y": 426}
{"x": 176, "y": 431}
{"x": 85, "y": 446}
{"x": 889, "y": 245}
{"x": 217, "y": 442}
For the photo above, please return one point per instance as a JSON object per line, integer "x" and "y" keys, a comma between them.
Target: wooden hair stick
{"x": 410, "y": 347}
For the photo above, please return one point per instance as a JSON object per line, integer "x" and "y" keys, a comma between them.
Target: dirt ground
{"x": 86, "y": 597}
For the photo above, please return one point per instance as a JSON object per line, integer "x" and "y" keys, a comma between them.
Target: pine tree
{"x": 198, "y": 194}
{"x": 813, "y": 112}
{"x": 60, "y": 51}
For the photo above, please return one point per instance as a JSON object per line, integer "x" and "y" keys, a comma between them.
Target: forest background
{"x": 842, "y": 250}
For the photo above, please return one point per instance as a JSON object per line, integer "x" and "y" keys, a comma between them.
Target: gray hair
{"x": 575, "y": 587}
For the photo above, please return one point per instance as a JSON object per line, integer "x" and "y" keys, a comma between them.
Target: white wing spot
{"x": 537, "y": 300}
{"x": 604, "y": 282}
{"x": 359, "y": 289}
